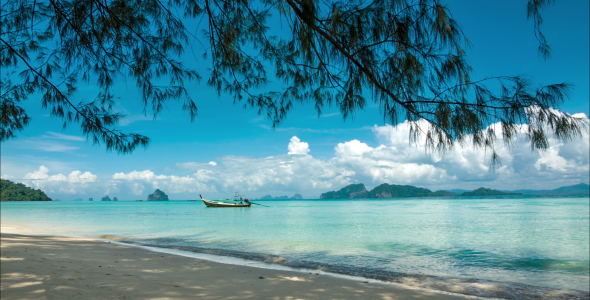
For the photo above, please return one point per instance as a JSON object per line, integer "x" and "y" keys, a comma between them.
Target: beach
{"x": 56, "y": 267}
{"x": 511, "y": 249}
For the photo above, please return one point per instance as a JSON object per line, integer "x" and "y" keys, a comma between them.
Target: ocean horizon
{"x": 515, "y": 248}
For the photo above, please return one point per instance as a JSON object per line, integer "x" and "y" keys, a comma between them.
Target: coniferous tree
{"x": 407, "y": 57}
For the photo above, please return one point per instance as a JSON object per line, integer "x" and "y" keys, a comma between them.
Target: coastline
{"x": 223, "y": 236}
{"x": 56, "y": 267}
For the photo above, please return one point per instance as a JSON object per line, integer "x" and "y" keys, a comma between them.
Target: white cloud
{"x": 61, "y": 136}
{"x": 393, "y": 161}
{"x": 146, "y": 175}
{"x": 79, "y": 177}
{"x": 75, "y": 183}
{"x": 297, "y": 147}
{"x": 147, "y": 181}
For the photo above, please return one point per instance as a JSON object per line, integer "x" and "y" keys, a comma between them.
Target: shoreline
{"x": 39, "y": 266}
{"x": 410, "y": 286}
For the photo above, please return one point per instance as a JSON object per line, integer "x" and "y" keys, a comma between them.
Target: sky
{"x": 228, "y": 148}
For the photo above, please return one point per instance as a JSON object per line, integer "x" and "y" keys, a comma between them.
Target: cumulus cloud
{"x": 465, "y": 165}
{"x": 75, "y": 183}
{"x": 393, "y": 161}
{"x": 297, "y": 147}
{"x": 139, "y": 181}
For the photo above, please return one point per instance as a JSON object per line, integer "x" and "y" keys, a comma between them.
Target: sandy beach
{"x": 56, "y": 267}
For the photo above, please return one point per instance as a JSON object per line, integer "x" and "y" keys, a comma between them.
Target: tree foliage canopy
{"x": 11, "y": 191}
{"x": 408, "y": 57}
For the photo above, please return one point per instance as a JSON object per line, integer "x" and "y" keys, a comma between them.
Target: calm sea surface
{"x": 513, "y": 248}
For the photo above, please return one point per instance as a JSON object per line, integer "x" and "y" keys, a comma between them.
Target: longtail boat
{"x": 226, "y": 203}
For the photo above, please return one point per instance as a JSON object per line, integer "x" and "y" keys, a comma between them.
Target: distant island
{"x": 487, "y": 192}
{"x": 19, "y": 192}
{"x": 106, "y": 198}
{"x": 383, "y": 191}
{"x": 269, "y": 197}
{"x": 356, "y": 191}
{"x": 158, "y": 196}
{"x": 578, "y": 190}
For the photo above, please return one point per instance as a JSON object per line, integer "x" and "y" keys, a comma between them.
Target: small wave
{"x": 472, "y": 287}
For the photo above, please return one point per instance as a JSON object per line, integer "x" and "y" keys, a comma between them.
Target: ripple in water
{"x": 472, "y": 287}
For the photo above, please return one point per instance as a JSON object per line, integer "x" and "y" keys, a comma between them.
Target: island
{"x": 269, "y": 197}
{"x": 158, "y": 196}
{"x": 19, "y": 192}
{"x": 106, "y": 198}
{"x": 357, "y": 191}
{"x": 487, "y": 192}
{"x": 115, "y": 199}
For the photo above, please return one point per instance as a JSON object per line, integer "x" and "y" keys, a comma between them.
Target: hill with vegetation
{"x": 577, "y": 190}
{"x": 488, "y": 192}
{"x": 347, "y": 192}
{"x": 19, "y": 192}
{"x": 395, "y": 191}
{"x": 158, "y": 196}
{"x": 385, "y": 190}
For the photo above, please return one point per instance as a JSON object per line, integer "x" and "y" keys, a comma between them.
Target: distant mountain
{"x": 581, "y": 189}
{"x": 106, "y": 198}
{"x": 157, "y": 196}
{"x": 395, "y": 191}
{"x": 458, "y": 191}
{"x": 269, "y": 197}
{"x": 383, "y": 191}
{"x": 356, "y": 191}
{"x": 444, "y": 193}
{"x": 11, "y": 191}
{"x": 347, "y": 192}
{"x": 487, "y": 192}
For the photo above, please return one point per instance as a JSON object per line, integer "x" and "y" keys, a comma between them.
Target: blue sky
{"x": 228, "y": 148}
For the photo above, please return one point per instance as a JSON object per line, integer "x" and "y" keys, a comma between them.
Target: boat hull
{"x": 210, "y": 203}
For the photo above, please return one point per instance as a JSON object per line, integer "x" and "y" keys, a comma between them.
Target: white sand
{"x": 54, "y": 267}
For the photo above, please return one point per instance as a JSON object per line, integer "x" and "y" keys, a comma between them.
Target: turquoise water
{"x": 514, "y": 248}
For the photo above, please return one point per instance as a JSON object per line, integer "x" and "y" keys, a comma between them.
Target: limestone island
{"x": 356, "y": 191}
{"x": 269, "y": 197}
{"x": 158, "y": 196}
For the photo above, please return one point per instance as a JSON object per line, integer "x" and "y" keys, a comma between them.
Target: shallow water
{"x": 513, "y": 248}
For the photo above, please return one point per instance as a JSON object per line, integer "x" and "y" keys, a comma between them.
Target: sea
{"x": 529, "y": 248}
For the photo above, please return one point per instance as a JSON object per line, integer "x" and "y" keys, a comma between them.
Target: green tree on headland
{"x": 11, "y": 191}
{"x": 407, "y": 56}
